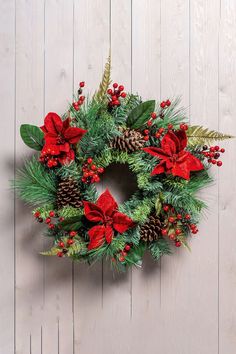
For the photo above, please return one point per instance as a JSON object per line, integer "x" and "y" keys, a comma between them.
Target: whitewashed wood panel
{"x": 182, "y": 304}
{"x": 7, "y": 134}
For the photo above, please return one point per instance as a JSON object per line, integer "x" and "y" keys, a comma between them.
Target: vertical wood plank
{"x": 29, "y": 109}
{"x": 227, "y": 189}
{"x": 58, "y": 283}
{"x": 146, "y": 66}
{"x": 7, "y": 94}
{"x": 91, "y": 48}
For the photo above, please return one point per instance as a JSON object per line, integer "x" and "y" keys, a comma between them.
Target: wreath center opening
{"x": 120, "y": 180}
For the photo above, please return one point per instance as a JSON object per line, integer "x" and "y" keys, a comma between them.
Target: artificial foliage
{"x": 170, "y": 159}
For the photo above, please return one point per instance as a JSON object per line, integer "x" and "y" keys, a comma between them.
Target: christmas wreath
{"x": 170, "y": 160}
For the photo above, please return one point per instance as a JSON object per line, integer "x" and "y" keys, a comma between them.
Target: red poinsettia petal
{"x": 93, "y": 212}
{"x": 157, "y": 152}
{"x": 65, "y": 147}
{"x": 108, "y": 234}
{"x": 122, "y": 222}
{"x": 170, "y": 143}
{"x": 159, "y": 169}
{"x": 66, "y": 123}
{"x": 96, "y": 235}
{"x": 44, "y": 129}
{"x": 181, "y": 170}
{"x": 73, "y": 135}
{"x": 50, "y": 139}
{"x": 194, "y": 164}
{"x": 107, "y": 203}
{"x": 53, "y": 123}
{"x": 181, "y": 135}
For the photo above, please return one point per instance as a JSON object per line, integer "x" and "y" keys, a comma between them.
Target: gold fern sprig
{"x": 198, "y": 135}
{"x": 106, "y": 80}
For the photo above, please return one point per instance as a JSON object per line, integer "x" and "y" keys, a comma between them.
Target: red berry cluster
{"x": 48, "y": 220}
{"x": 65, "y": 245}
{"x": 91, "y": 172}
{"x": 114, "y": 99}
{"x": 212, "y": 153}
{"x": 124, "y": 253}
{"x": 159, "y": 133}
{"x": 48, "y": 157}
{"x": 146, "y": 132}
{"x": 165, "y": 104}
{"x": 81, "y": 98}
{"x": 183, "y": 126}
{"x": 173, "y": 223}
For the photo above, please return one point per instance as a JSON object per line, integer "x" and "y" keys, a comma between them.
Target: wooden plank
{"x": 146, "y": 75}
{"x": 58, "y": 294}
{"x": 7, "y": 93}
{"x": 91, "y": 48}
{"x": 29, "y": 109}
{"x": 186, "y": 283}
{"x": 227, "y": 189}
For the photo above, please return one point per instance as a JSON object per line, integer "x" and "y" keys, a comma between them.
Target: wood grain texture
{"x": 182, "y": 304}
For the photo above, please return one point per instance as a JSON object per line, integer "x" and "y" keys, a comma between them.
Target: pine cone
{"x": 130, "y": 141}
{"x": 68, "y": 194}
{"x": 151, "y": 230}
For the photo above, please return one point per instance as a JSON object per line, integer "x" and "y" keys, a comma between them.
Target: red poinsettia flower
{"x": 59, "y": 136}
{"x": 105, "y": 212}
{"x": 173, "y": 157}
{"x": 58, "y": 132}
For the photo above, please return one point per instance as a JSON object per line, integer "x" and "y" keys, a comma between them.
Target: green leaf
{"x": 198, "y": 135}
{"x": 32, "y": 136}
{"x": 73, "y": 223}
{"x": 140, "y": 114}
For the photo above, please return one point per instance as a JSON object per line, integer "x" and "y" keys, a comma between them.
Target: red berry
{"x": 182, "y": 126}
{"x": 93, "y": 167}
{"x": 123, "y": 94}
{"x": 178, "y": 231}
{"x": 61, "y": 218}
{"x": 187, "y": 216}
{"x": 195, "y": 231}
{"x": 162, "y": 104}
{"x": 73, "y": 233}
{"x": 90, "y": 173}
{"x": 170, "y": 126}
{"x": 153, "y": 115}
{"x": 96, "y": 178}
{"x": 219, "y": 163}
{"x": 76, "y": 106}
{"x": 177, "y": 243}
{"x": 52, "y": 213}
{"x": 61, "y": 244}
{"x": 179, "y": 216}
{"x": 51, "y": 226}
{"x": 70, "y": 241}
{"x": 48, "y": 220}
{"x": 86, "y": 174}
{"x": 217, "y": 148}
{"x": 84, "y": 179}
{"x": 90, "y": 160}
{"x": 166, "y": 207}
{"x": 158, "y": 135}
{"x": 124, "y": 253}
{"x": 161, "y": 130}
{"x": 149, "y": 123}
{"x": 222, "y": 150}
{"x": 213, "y": 162}
{"x": 37, "y": 214}
{"x": 40, "y": 220}
{"x": 60, "y": 254}
{"x": 115, "y": 85}
{"x": 114, "y": 98}
{"x": 168, "y": 103}
{"x": 116, "y": 103}
{"x": 121, "y": 258}
{"x": 100, "y": 170}
{"x": 164, "y": 232}
{"x": 171, "y": 219}
{"x": 212, "y": 148}
{"x": 109, "y": 91}
{"x": 172, "y": 237}
{"x": 127, "y": 247}
{"x": 146, "y": 131}
{"x": 81, "y": 84}
{"x": 146, "y": 138}
{"x": 121, "y": 88}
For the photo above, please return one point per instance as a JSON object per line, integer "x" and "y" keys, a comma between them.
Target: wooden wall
{"x": 160, "y": 48}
